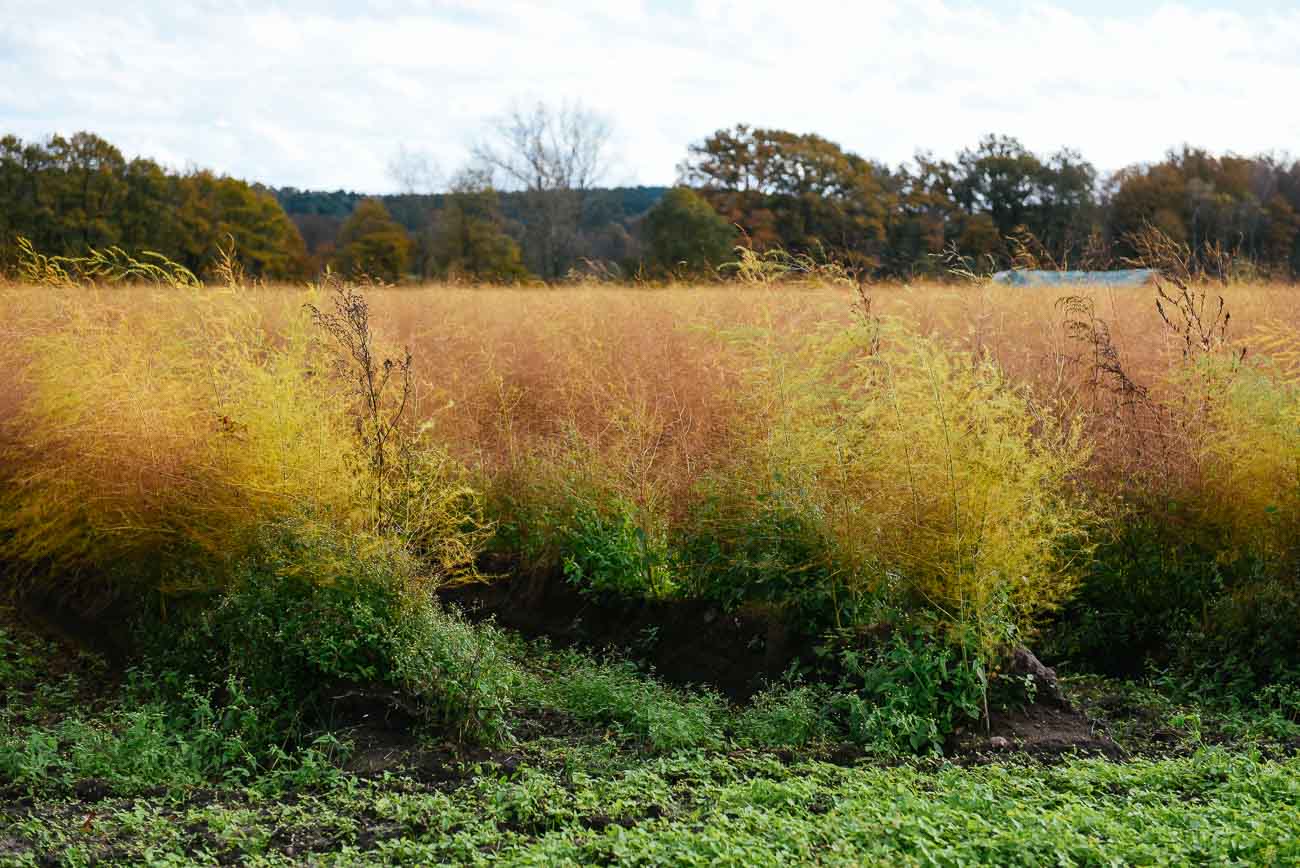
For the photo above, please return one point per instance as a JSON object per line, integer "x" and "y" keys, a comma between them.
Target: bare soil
{"x": 685, "y": 641}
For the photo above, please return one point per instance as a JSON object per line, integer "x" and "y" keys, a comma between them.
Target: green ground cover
{"x": 607, "y": 765}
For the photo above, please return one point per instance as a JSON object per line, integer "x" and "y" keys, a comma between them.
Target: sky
{"x": 323, "y": 94}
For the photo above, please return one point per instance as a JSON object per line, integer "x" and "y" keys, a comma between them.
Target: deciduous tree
{"x": 555, "y": 154}
{"x": 684, "y": 232}
{"x": 372, "y": 243}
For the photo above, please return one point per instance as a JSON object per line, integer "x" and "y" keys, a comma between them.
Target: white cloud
{"x": 322, "y": 94}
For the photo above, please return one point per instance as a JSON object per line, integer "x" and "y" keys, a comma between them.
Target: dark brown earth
{"x": 1043, "y": 731}
{"x": 686, "y": 641}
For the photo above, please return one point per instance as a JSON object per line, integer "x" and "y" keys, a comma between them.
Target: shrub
{"x": 146, "y": 439}
{"x": 1249, "y": 637}
{"x": 930, "y": 478}
{"x": 314, "y": 616}
{"x": 571, "y": 507}
{"x": 1145, "y": 585}
{"x": 1202, "y": 575}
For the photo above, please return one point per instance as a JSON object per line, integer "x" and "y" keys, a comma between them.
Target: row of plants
{"x": 882, "y": 479}
{"x": 252, "y": 471}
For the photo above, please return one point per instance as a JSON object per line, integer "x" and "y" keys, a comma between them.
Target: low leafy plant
{"x": 609, "y": 553}
{"x": 618, "y": 695}
{"x": 1145, "y": 588}
{"x": 784, "y": 716}
{"x": 738, "y": 550}
{"x": 142, "y": 742}
{"x": 909, "y": 695}
{"x": 315, "y": 618}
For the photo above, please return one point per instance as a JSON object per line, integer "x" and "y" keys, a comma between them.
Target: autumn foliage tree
{"x": 1249, "y": 206}
{"x": 808, "y": 194}
{"x": 801, "y": 191}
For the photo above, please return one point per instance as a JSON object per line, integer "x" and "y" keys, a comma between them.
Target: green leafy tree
{"x": 1052, "y": 198}
{"x": 925, "y": 218}
{"x": 683, "y": 230}
{"x": 147, "y": 219}
{"x": 70, "y": 194}
{"x": 371, "y": 242}
{"x": 88, "y": 189}
{"x": 469, "y": 240}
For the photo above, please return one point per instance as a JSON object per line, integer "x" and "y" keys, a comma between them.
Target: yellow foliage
{"x": 928, "y": 471}
{"x": 153, "y": 429}
{"x": 109, "y": 265}
{"x": 939, "y": 464}
{"x": 1244, "y": 424}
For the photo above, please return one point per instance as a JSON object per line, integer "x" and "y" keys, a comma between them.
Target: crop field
{"x": 772, "y": 571}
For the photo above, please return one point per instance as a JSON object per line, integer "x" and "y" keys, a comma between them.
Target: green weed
{"x": 313, "y": 617}
{"x": 619, "y": 696}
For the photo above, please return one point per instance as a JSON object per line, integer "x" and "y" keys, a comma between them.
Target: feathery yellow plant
{"x": 168, "y": 434}
{"x": 152, "y": 430}
{"x": 927, "y": 471}
{"x": 106, "y": 265}
{"x": 1245, "y": 432}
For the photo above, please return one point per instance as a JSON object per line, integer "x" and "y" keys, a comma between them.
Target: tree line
{"x": 529, "y": 205}
{"x": 807, "y": 194}
{"x": 67, "y": 195}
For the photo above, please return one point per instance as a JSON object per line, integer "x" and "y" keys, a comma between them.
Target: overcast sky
{"x": 321, "y": 94}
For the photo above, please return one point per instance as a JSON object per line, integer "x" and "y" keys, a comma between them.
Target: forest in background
{"x": 530, "y": 206}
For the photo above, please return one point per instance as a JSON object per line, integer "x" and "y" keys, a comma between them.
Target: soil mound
{"x": 686, "y": 641}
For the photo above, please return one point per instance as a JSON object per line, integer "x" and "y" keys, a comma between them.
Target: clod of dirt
{"x": 1024, "y": 663}
{"x": 1045, "y": 730}
{"x": 92, "y": 790}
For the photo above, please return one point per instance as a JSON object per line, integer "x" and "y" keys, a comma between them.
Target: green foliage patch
{"x": 617, "y": 695}
{"x": 1210, "y": 808}
{"x": 314, "y": 616}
